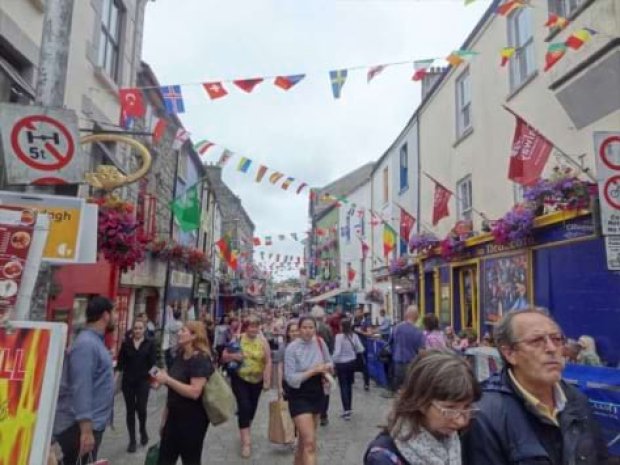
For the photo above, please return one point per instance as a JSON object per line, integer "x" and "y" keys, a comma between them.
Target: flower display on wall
{"x": 398, "y": 265}
{"x": 562, "y": 191}
{"x": 192, "y": 258}
{"x": 451, "y": 246}
{"x": 515, "y": 225}
{"x": 423, "y": 242}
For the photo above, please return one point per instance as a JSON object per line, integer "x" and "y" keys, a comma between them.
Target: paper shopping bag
{"x": 281, "y": 426}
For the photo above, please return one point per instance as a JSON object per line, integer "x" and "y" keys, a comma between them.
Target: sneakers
{"x": 132, "y": 447}
{"x": 346, "y": 415}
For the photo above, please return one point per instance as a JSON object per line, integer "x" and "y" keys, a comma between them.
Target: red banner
{"x": 407, "y": 222}
{"x": 530, "y": 152}
{"x": 440, "y": 203}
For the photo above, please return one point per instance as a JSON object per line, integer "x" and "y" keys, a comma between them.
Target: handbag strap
{"x": 352, "y": 343}
{"x": 387, "y": 453}
{"x": 319, "y": 341}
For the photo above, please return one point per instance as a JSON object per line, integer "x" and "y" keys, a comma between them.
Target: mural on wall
{"x": 505, "y": 285}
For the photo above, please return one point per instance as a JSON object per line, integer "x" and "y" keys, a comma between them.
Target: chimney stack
{"x": 430, "y": 78}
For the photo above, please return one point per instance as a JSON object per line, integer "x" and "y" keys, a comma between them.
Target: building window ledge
{"x": 522, "y": 86}
{"x": 464, "y": 135}
{"x": 106, "y": 80}
{"x": 555, "y": 31}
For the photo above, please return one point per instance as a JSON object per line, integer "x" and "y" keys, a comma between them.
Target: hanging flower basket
{"x": 451, "y": 246}
{"x": 514, "y": 226}
{"x": 191, "y": 258}
{"x": 398, "y": 265}
{"x": 423, "y": 243}
{"x": 562, "y": 191}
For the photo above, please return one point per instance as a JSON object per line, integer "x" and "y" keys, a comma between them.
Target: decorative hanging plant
{"x": 169, "y": 251}
{"x": 562, "y": 191}
{"x": 451, "y": 246}
{"x": 119, "y": 238}
{"x": 423, "y": 243}
{"x": 398, "y": 265}
{"x": 514, "y": 226}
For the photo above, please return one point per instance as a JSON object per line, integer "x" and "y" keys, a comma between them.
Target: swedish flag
{"x": 338, "y": 78}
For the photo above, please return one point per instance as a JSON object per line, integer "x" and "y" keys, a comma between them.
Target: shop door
{"x": 468, "y": 297}
{"x": 429, "y": 292}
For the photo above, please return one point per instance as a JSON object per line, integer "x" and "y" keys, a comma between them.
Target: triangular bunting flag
{"x": 159, "y": 129}
{"x": 244, "y": 165}
{"x": 215, "y": 90}
{"x": 555, "y": 52}
{"x": 580, "y": 37}
{"x": 202, "y": 146}
{"x": 373, "y": 72}
{"x": 226, "y": 154}
{"x": 262, "y": 169}
{"x": 287, "y": 183}
{"x": 286, "y": 82}
{"x": 275, "y": 177}
{"x": 508, "y": 7}
{"x": 421, "y": 69}
{"x": 248, "y": 85}
{"x": 506, "y": 54}
{"x": 301, "y": 187}
{"x": 337, "y": 78}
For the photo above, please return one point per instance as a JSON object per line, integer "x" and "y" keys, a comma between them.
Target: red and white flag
{"x": 132, "y": 103}
{"x": 215, "y": 90}
{"x": 159, "y": 129}
{"x": 374, "y": 71}
{"x": 529, "y": 154}
{"x": 365, "y": 248}
{"x": 407, "y": 222}
{"x": 247, "y": 85}
{"x": 440, "y": 203}
{"x": 350, "y": 274}
{"x": 180, "y": 138}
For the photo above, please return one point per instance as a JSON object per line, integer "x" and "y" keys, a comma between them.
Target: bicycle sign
{"x": 40, "y": 145}
{"x": 611, "y": 191}
{"x": 607, "y": 151}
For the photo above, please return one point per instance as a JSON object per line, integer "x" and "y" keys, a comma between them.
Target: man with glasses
{"x": 528, "y": 415}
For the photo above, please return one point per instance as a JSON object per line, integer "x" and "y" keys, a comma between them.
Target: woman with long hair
{"x": 435, "y": 338}
{"x": 307, "y": 364}
{"x": 290, "y": 334}
{"x": 184, "y": 420}
{"x": 346, "y": 348}
{"x": 252, "y": 377}
{"x": 434, "y": 405}
{"x": 588, "y": 354}
{"x": 136, "y": 357}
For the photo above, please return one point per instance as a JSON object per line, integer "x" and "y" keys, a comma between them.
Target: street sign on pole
{"x": 612, "y": 251}
{"x": 607, "y": 151}
{"x": 40, "y": 145}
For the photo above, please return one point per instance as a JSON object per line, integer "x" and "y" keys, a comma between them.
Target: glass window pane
{"x": 102, "y": 45}
{"x": 113, "y": 28}
{"x": 105, "y": 12}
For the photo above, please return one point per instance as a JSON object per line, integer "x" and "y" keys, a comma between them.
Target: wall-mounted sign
{"x": 181, "y": 279}
{"x": 612, "y": 250}
{"x": 40, "y": 145}
{"x": 607, "y": 151}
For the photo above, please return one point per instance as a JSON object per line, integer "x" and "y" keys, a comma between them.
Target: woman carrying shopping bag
{"x": 347, "y": 349}
{"x": 252, "y": 377}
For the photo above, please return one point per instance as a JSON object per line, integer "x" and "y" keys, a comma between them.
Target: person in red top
{"x": 334, "y": 321}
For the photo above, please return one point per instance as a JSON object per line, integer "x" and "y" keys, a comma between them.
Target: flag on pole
{"x": 173, "y": 99}
{"x": 555, "y": 52}
{"x": 529, "y": 154}
{"x": 186, "y": 209}
{"x": 389, "y": 239}
{"x": 337, "y": 78}
{"x": 301, "y": 187}
{"x": 159, "y": 130}
{"x": 287, "y": 183}
{"x": 275, "y": 177}
{"x": 202, "y": 146}
{"x": 374, "y": 71}
{"x": 286, "y": 82}
{"x": 226, "y": 251}
{"x": 407, "y": 222}
{"x": 580, "y": 37}
{"x": 506, "y": 54}
{"x": 224, "y": 157}
{"x": 244, "y": 165}
{"x": 248, "y": 85}
{"x": 421, "y": 68}
{"x": 215, "y": 90}
{"x": 132, "y": 103}
{"x": 262, "y": 169}
{"x": 180, "y": 138}
{"x": 365, "y": 248}
{"x": 440, "y": 203}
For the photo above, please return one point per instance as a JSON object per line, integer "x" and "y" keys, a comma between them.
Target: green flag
{"x": 186, "y": 209}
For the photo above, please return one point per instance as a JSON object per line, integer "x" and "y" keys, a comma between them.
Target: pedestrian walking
{"x": 184, "y": 420}
{"x": 86, "y": 396}
{"x": 348, "y": 346}
{"x": 221, "y": 337}
{"x": 136, "y": 357}
{"x": 434, "y": 337}
{"x": 324, "y": 332}
{"x": 434, "y": 405}
{"x": 528, "y": 414}
{"x": 361, "y": 325}
{"x": 407, "y": 341}
{"x": 250, "y": 379}
{"x": 291, "y": 333}
{"x": 306, "y": 365}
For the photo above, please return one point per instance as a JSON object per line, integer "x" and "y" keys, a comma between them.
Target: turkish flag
{"x": 407, "y": 222}
{"x": 529, "y": 155}
{"x": 248, "y": 85}
{"x": 215, "y": 90}
{"x": 440, "y": 203}
{"x": 132, "y": 103}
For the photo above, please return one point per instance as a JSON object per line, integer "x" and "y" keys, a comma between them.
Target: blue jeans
{"x": 346, "y": 373}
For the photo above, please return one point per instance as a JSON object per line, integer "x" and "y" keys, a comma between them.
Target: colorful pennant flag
{"x": 275, "y": 177}
{"x": 180, "y": 138}
{"x": 507, "y": 53}
{"x": 556, "y": 21}
{"x": 301, "y": 187}
{"x": 244, "y": 165}
{"x": 287, "y": 183}
{"x": 202, "y": 146}
{"x": 268, "y": 241}
{"x": 338, "y": 78}
{"x": 286, "y": 82}
{"x": 441, "y": 198}
{"x": 407, "y": 221}
{"x": 555, "y": 52}
{"x": 132, "y": 103}
{"x": 186, "y": 209}
{"x": 389, "y": 239}
{"x": 224, "y": 157}
{"x": 350, "y": 273}
{"x": 458, "y": 56}
{"x": 529, "y": 154}
{"x": 256, "y": 241}
{"x": 159, "y": 130}
{"x": 173, "y": 99}
{"x": 294, "y": 236}
{"x": 227, "y": 252}
{"x": 262, "y": 169}
{"x": 508, "y": 7}
{"x": 215, "y": 90}
{"x": 374, "y": 71}
{"x": 421, "y": 69}
{"x": 365, "y": 248}
{"x": 580, "y": 37}
{"x": 248, "y": 85}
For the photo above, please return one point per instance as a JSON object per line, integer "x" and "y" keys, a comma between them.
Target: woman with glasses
{"x": 435, "y": 404}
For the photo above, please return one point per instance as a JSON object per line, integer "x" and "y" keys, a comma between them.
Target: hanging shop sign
{"x": 30, "y": 370}
{"x": 66, "y": 224}
{"x": 607, "y": 151}
{"x": 40, "y": 145}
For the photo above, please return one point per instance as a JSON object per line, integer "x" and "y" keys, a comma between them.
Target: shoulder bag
{"x": 218, "y": 399}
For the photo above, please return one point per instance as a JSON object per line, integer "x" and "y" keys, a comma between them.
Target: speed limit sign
{"x": 40, "y": 145}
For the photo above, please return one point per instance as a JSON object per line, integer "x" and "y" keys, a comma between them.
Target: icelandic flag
{"x": 173, "y": 99}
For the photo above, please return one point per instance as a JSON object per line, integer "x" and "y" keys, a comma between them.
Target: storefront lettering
{"x": 11, "y": 364}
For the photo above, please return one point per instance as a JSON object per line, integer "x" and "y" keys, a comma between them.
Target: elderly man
{"x": 528, "y": 415}
{"x": 407, "y": 341}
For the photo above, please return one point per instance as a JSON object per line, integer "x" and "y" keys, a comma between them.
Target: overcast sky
{"x": 304, "y": 133}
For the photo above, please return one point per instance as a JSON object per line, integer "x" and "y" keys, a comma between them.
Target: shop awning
{"x": 326, "y": 296}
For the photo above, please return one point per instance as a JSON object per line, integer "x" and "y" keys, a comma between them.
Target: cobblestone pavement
{"x": 340, "y": 442}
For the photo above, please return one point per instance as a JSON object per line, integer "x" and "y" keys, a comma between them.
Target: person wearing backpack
{"x": 347, "y": 348}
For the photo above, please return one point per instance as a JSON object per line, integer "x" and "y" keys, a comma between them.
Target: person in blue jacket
{"x": 528, "y": 415}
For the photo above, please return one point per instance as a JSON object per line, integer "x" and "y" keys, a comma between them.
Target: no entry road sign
{"x": 40, "y": 144}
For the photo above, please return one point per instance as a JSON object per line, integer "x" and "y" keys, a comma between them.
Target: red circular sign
{"x": 604, "y": 155}
{"x": 611, "y": 192}
{"x": 32, "y": 155}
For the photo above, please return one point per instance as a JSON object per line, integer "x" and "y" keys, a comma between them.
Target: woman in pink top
{"x": 435, "y": 338}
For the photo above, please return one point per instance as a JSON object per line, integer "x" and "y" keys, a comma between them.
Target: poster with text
{"x": 30, "y": 366}
{"x": 505, "y": 282}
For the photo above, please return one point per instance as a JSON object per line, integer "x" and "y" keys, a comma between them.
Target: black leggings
{"x": 182, "y": 437}
{"x": 136, "y": 397}
{"x": 247, "y": 395}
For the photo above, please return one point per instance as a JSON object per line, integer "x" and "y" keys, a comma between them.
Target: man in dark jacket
{"x": 528, "y": 415}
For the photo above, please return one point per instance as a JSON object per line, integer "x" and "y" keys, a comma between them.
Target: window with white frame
{"x": 521, "y": 37}
{"x": 463, "y": 103}
{"x": 464, "y": 201}
{"x": 565, "y": 8}
{"x": 109, "y": 42}
{"x": 404, "y": 168}
{"x": 517, "y": 192}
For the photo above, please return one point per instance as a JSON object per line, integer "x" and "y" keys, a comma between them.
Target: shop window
{"x": 518, "y": 190}
{"x": 463, "y": 104}
{"x": 110, "y": 37}
{"x": 521, "y": 37}
{"x": 464, "y": 200}
{"x": 404, "y": 168}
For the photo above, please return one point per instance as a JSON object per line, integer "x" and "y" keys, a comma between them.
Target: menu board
{"x": 16, "y": 233}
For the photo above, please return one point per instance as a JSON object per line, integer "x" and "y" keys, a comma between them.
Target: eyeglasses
{"x": 539, "y": 342}
{"x": 453, "y": 414}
